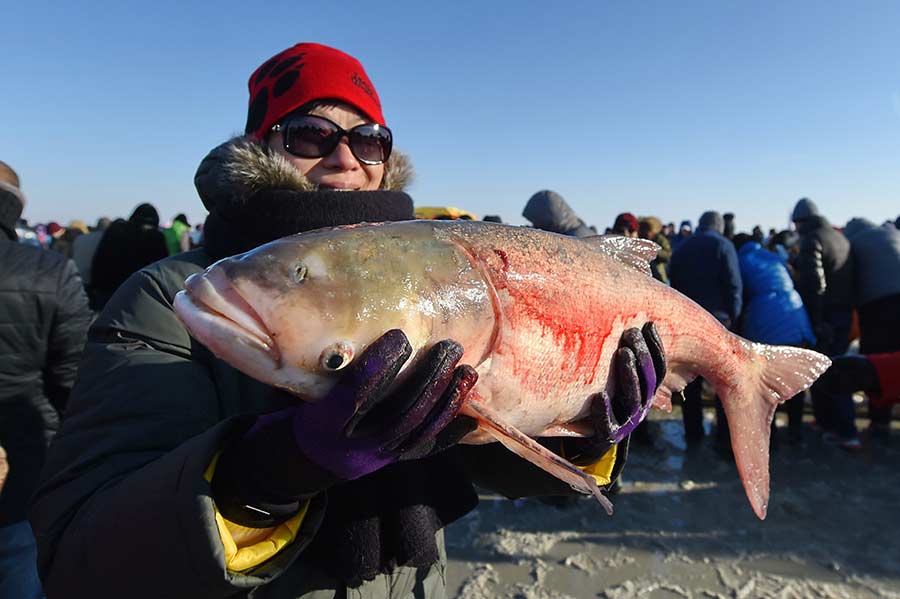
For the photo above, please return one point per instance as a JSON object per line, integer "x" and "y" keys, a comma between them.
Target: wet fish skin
{"x": 539, "y": 315}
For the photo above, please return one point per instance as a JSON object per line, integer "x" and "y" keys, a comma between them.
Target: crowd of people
{"x": 812, "y": 286}
{"x": 171, "y": 474}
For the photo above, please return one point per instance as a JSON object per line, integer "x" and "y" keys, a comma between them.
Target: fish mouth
{"x": 221, "y": 303}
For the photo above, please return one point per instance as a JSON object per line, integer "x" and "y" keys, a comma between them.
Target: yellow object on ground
{"x": 443, "y": 213}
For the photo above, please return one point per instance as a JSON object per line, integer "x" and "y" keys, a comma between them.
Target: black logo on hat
{"x": 363, "y": 85}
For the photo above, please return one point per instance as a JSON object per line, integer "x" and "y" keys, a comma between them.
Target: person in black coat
{"x": 44, "y": 318}
{"x": 705, "y": 268}
{"x": 825, "y": 279}
{"x": 176, "y": 475}
{"x": 126, "y": 247}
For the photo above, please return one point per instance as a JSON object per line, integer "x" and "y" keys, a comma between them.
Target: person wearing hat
{"x": 626, "y": 224}
{"x": 705, "y": 268}
{"x": 176, "y": 475}
{"x": 45, "y": 318}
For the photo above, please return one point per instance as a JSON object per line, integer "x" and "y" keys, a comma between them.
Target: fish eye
{"x": 336, "y": 356}
{"x": 299, "y": 273}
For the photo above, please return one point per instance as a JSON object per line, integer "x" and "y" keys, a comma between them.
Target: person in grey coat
{"x": 549, "y": 211}
{"x": 876, "y": 258}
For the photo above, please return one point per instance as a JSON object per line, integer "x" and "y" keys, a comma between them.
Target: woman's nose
{"x": 341, "y": 157}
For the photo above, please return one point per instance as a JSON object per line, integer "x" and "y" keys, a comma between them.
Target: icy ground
{"x": 684, "y": 529}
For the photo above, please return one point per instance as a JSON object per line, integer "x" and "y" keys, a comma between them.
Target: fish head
{"x": 295, "y": 312}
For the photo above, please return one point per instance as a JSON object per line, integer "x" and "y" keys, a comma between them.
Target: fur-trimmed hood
{"x": 255, "y": 196}
{"x": 243, "y": 167}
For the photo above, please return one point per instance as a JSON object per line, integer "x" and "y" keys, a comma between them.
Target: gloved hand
{"x": 360, "y": 426}
{"x": 640, "y": 364}
{"x": 849, "y": 374}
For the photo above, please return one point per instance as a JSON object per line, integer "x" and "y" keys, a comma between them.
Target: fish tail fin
{"x": 527, "y": 448}
{"x": 779, "y": 373}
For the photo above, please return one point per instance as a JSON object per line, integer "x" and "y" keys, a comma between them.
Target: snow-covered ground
{"x": 683, "y": 528}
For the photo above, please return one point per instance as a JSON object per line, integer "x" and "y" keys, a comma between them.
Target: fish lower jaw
{"x": 222, "y": 335}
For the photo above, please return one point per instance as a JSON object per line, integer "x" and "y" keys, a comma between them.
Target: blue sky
{"x": 664, "y": 108}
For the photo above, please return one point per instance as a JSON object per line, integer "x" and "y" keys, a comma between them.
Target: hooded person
{"x": 650, "y": 227}
{"x": 549, "y": 211}
{"x": 225, "y": 487}
{"x": 45, "y": 318}
{"x": 825, "y": 278}
{"x": 125, "y": 247}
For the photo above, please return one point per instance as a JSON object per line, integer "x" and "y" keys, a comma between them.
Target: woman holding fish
{"x": 177, "y": 475}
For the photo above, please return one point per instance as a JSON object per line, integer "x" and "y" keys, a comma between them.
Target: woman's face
{"x": 340, "y": 169}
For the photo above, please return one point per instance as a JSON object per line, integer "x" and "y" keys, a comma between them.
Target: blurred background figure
{"x": 549, "y": 211}
{"x": 626, "y": 224}
{"x": 876, "y": 261}
{"x": 825, "y": 279}
{"x": 651, "y": 228}
{"x": 45, "y": 317}
{"x": 758, "y": 236}
{"x": 83, "y": 250}
{"x": 197, "y": 236}
{"x": 685, "y": 230}
{"x": 178, "y": 235}
{"x": 728, "y": 232}
{"x": 126, "y": 247}
{"x": 705, "y": 268}
{"x": 492, "y": 218}
{"x": 773, "y": 313}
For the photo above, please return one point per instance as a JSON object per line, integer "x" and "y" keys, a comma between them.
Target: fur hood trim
{"x": 244, "y": 166}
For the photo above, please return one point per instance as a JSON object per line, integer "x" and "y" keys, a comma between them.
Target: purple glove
{"x": 360, "y": 426}
{"x": 640, "y": 364}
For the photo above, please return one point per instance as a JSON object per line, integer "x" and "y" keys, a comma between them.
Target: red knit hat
{"x": 302, "y": 74}
{"x": 626, "y": 222}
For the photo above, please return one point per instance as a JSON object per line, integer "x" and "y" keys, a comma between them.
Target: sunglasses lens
{"x": 309, "y": 137}
{"x": 371, "y": 143}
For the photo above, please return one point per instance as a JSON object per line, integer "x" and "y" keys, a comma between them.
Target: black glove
{"x": 640, "y": 364}
{"x": 354, "y": 430}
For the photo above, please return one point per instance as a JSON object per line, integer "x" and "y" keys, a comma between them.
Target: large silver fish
{"x": 539, "y": 315}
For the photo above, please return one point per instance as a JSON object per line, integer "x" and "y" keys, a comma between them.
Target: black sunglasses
{"x": 311, "y": 136}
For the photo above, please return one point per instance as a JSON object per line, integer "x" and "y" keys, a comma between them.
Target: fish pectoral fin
{"x": 630, "y": 251}
{"x": 578, "y": 429}
{"x": 527, "y": 448}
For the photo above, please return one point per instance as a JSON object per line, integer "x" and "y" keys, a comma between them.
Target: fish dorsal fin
{"x": 636, "y": 253}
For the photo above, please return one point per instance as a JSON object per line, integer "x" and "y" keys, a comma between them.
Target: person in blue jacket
{"x": 773, "y": 312}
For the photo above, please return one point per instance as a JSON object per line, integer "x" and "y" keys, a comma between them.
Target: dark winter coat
{"x": 126, "y": 247}
{"x": 823, "y": 269}
{"x": 773, "y": 311}
{"x": 705, "y": 268}
{"x": 124, "y": 492}
{"x": 876, "y": 260}
{"x": 44, "y": 318}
